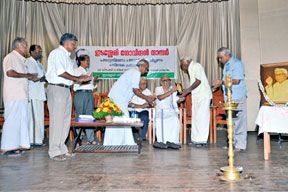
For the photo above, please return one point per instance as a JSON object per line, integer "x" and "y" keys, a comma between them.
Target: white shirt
{"x": 203, "y": 91}
{"x": 89, "y": 86}
{"x": 36, "y": 89}
{"x": 14, "y": 88}
{"x": 122, "y": 90}
{"x": 169, "y": 102}
{"x": 140, "y": 101}
{"x": 59, "y": 62}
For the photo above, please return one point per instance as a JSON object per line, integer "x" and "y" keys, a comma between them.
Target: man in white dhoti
{"x": 15, "y": 132}
{"x": 201, "y": 97}
{"x": 36, "y": 96}
{"x": 167, "y": 115}
{"x": 121, "y": 93}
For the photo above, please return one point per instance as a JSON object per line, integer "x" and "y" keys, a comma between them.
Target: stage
{"x": 187, "y": 169}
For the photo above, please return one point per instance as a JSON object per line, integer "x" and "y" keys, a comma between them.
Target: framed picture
{"x": 275, "y": 83}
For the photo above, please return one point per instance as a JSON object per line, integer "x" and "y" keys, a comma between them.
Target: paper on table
{"x": 86, "y": 117}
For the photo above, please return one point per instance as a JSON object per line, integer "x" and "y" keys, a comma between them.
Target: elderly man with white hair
{"x": 235, "y": 68}
{"x": 278, "y": 91}
{"x": 167, "y": 120}
{"x": 122, "y": 92}
{"x": 15, "y": 132}
{"x": 201, "y": 98}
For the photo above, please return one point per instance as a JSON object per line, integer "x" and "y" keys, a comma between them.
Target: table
{"x": 271, "y": 120}
{"x": 111, "y": 148}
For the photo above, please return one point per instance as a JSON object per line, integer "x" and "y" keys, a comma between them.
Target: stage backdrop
{"x": 111, "y": 62}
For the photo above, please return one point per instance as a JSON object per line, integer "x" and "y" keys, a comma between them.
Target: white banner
{"x": 111, "y": 62}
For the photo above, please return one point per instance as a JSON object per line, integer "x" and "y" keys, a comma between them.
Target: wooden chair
{"x": 218, "y": 114}
{"x": 103, "y": 96}
{"x": 46, "y": 118}
{"x": 2, "y": 117}
{"x": 187, "y": 115}
{"x": 187, "y": 119}
{"x": 151, "y": 125}
{"x": 96, "y": 99}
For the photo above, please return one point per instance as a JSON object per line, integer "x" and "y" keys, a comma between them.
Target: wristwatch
{"x": 133, "y": 105}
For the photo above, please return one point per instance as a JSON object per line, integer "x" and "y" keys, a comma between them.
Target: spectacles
{"x": 280, "y": 74}
{"x": 166, "y": 80}
{"x": 22, "y": 45}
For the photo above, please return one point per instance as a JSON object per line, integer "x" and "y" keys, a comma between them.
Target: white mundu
{"x": 201, "y": 97}
{"x": 167, "y": 120}
{"x": 121, "y": 93}
{"x": 36, "y": 106}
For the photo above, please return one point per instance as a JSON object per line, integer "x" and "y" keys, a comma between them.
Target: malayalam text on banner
{"x": 111, "y": 62}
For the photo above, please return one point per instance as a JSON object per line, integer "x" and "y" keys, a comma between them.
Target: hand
{"x": 269, "y": 81}
{"x": 145, "y": 105}
{"x": 217, "y": 83}
{"x": 181, "y": 99}
{"x": 150, "y": 99}
{"x": 33, "y": 76}
{"x": 174, "y": 89}
{"x": 184, "y": 93}
{"x": 96, "y": 78}
{"x": 85, "y": 78}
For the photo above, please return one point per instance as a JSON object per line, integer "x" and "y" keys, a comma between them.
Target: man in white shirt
{"x": 83, "y": 92}
{"x": 36, "y": 96}
{"x": 201, "y": 97}
{"x": 167, "y": 115}
{"x": 15, "y": 132}
{"x": 60, "y": 78}
{"x": 121, "y": 93}
{"x": 140, "y": 106}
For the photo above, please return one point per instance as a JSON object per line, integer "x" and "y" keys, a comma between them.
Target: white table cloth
{"x": 271, "y": 120}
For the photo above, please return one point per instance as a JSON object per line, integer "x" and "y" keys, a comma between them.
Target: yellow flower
{"x": 105, "y": 109}
{"x": 98, "y": 110}
{"x": 106, "y": 103}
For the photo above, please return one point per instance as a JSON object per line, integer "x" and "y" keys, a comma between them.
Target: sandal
{"x": 91, "y": 143}
{"x": 11, "y": 154}
{"x": 19, "y": 151}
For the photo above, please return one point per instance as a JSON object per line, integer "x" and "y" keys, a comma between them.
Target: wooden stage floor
{"x": 187, "y": 169}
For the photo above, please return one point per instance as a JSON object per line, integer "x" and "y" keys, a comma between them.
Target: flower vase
{"x": 108, "y": 118}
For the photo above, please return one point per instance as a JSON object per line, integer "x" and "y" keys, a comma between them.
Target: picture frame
{"x": 266, "y": 71}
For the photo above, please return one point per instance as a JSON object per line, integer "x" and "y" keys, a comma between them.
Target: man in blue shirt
{"x": 235, "y": 68}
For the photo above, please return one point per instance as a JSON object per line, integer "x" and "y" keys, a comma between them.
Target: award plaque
{"x": 179, "y": 87}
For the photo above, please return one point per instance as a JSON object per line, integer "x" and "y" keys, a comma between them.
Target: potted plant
{"x": 107, "y": 110}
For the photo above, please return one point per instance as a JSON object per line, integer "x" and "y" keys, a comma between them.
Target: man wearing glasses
{"x": 235, "y": 68}
{"x": 278, "y": 92}
{"x": 201, "y": 98}
{"x": 167, "y": 121}
{"x": 60, "y": 76}
{"x": 15, "y": 133}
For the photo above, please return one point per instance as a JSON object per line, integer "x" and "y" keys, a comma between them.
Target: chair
{"x": 46, "y": 118}
{"x": 103, "y": 96}
{"x": 187, "y": 115}
{"x": 96, "y": 99}
{"x": 218, "y": 114}
{"x": 2, "y": 117}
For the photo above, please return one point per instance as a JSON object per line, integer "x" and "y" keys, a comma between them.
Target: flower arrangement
{"x": 108, "y": 107}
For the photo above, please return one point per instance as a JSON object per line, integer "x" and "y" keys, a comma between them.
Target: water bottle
{"x": 133, "y": 114}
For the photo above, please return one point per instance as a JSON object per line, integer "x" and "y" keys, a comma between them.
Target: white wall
{"x": 264, "y": 39}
